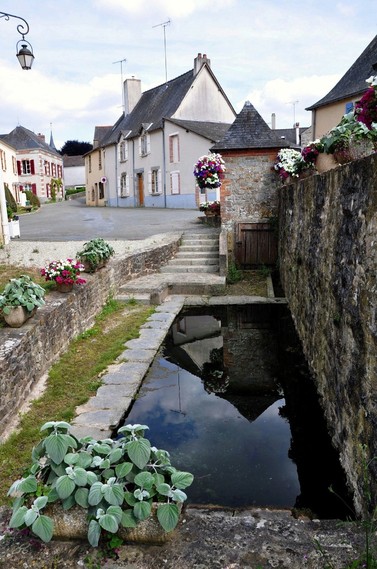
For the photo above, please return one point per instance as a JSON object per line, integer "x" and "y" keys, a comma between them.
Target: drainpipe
{"x": 116, "y": 173}
{"x": 133, "y": 170}
{"x": 3, "y": 208}
{"x": 164, "y": 161}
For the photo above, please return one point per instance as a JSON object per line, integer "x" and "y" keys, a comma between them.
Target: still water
{"x": 230, "y": 398}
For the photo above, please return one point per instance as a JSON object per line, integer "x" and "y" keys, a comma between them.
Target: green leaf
{"x": 130, "y": 498}
{"x": 53, "y": 496}
{"x": 56, "y": 447}
{"x": 168, "y": 516}
{"x": 115, "y": 511}
{"x": 84, "y": 459}
{"x": 178, "y": 496}
{"x": 142, "y": 510}
{"x": 68, "y": 502}
{"x": 102, "y": 449}
{"x": 81, "y": 497}
{"x": 164, "y": 489}
{"x": 144, "y": 480}
{"x": 95, "y": 493}
{"x": 115, "y": 455}
{"x": 122, "y": 469}
{"x": 182, "y": 479}
{"x": 128, "y": 519}
{"x": 158, "y": 479}
{"x": 109, "y": 523}
{"x": 94, "y": 532}
{"x": 71, "y": 458}
{"x": 28, "y": 485}
{"x": 64, "y": 486}
{"x": 18, "y": 517}
{"x": 43, "y": 527}
{"x": 80, "y": 476}
{"x": 139, "y": 452}
{"x": 92, "y": 478}
{"x": 41, "y": 502}
{"x": 114, "y": 495}
{"x": 30, "y": 517}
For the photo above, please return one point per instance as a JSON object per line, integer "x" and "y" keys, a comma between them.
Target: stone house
{"x": 147, "y": 158}
{"x": 328, "y": 111}
{"x": 37, "y": 162}
{"x": 249, "y": 192}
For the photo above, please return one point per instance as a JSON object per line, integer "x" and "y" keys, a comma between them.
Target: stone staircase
{"x": 198, "y": 253}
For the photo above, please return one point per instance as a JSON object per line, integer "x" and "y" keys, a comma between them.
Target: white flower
{"x": 372, "y": 80}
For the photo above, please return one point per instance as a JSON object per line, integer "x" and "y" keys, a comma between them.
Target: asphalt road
{"x": 73, "y": 220}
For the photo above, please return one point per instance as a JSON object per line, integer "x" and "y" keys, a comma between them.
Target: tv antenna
{"x": 164, "y": 24}
{"x": 121, "y": 61}
{"x": 294, "y": 103}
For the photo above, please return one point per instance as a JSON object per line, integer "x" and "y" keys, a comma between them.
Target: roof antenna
{"x": 164, "y": 24}
{"x": 121, "y": 61}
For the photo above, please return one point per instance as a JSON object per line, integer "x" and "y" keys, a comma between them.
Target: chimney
{"x": 41, "y": 137}
{"x": 199, "y": 61}
{"x": 273, "y": 121}
{"x": 131, "y": 93}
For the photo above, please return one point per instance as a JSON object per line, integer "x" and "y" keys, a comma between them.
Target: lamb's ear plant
{"x": 95, "y": 252}
{"x": 22, "y": 291}
{"x": 116, "y": 481}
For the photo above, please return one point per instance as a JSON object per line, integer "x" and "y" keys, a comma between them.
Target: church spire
{"x": 52, "y": 143}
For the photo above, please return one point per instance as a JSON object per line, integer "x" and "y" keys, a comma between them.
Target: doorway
{"x": 140, "y": 189}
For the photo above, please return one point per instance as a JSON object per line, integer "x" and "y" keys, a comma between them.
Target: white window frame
{"x": 123, "y": 151}
{"x": 124, "y": 185}
{"x": 175, "y": 182}
{"x": 174, "y": 150}
{"x": 154, "y": 181}
{"x": 144, "y": 144}
{"x": 26, "y": 167}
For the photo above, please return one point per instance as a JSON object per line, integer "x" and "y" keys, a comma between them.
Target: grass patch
{"x": 249, "y": 283}
{"x": 71, "y": 381}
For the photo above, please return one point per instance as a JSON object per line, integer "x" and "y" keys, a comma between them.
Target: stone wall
{"x": 27, "y": 353}
{"x": 328, "y": 266}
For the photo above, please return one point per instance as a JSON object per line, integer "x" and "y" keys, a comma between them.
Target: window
{"x": 100, "y": 160}
{"x": 3, "y": 160}
{"x": 53, "y": 168}
{"x": 90, "y": 162}
{"x": 25, "y": 167}
{"x": 101, "y": 191}
{"x": 124, "y": 185}
{"x": 123, "y": 151}
{"x": 144, "y": 144}
{"x": 154, "y": 181}
{"x": 47, "y": 168}
{"x": 174, "y": 148}
{"x": 349, "y": 107}
{"x": 60, "y": 171}
{"x": 175, "y": 182}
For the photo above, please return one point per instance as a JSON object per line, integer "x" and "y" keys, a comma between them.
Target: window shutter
{"x": 140, "y": 146}
{"x": 171, "y": 153}
{"x": 32, "y": 169}
{"x": 126, "y": 150}
{"x": 177, "y": 149}
{"x": 175, "y": 182}
{"x": 127, "y": 185}
{"x": 34, "y": 188}
{"x": 21, "y": 188}
{"x": 19, "y": 167}
{"x": 148, "y": 143}
{"x": 150, "y": 181}
{"x": 159, "y": 180}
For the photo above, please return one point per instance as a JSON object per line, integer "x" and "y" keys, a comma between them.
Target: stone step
{"x": 200, "y": 269}
{"x": 199, "y": 236}
{"x": 197, "y": 254}
{"x": 200, "y": 242}
{"x": 198, "y": 248}
{"x": 194, "y": 261}
{"x": 142, "y": 298}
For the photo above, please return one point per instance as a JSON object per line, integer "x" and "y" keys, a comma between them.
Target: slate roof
{"x": 99, "y": 133}
{"x": 73, "y": 161}
{"x": 249, "y": 130}
{"x": 289, "y": 134}
{"x": 214, "y": 131}
{"x": 353, "y": 82}
{"x": 23, "y": 139}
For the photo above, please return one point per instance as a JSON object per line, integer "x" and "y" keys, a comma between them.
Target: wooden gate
{"x": 256, "y": 244}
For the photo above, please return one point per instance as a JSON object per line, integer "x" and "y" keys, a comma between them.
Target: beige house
{"x": 147, "y": 158}
{"x": 329, "y": 110}
{"x": 94, "y": 169}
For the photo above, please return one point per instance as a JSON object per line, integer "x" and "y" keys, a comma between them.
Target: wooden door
{"x": 140, "y": 189}
{"x": 256, "y": 244}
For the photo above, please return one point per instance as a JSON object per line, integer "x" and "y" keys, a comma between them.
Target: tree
{"x": 75, "y": 148}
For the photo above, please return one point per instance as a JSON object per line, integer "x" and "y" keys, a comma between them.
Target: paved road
{"x": 73, "y": 220}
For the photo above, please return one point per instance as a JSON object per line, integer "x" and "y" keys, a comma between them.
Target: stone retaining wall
{"x": 328, "y": 267}
{"x": 27, "y": 353}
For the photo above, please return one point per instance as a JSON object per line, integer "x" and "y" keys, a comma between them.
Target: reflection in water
{"x": 216, "y": 399}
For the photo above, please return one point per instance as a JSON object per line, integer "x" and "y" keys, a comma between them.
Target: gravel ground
{"x": 39, "y": 253}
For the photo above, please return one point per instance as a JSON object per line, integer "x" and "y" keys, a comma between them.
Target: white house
{"x": 9, "y": 179}
{"x": 147, "y": 157}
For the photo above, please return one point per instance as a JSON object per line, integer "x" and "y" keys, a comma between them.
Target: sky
{"x": 281, "y": 55}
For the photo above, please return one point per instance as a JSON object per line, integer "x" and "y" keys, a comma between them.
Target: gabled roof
{"x": 354, "y": 81}
{"x": 249, "y": 130}
{"x": 214, "y": 131}
{"x": 99, "y": 133}
{"x": 23, "y": 139}
{"x": 289, "y": 134}
{"x": 153, "y": 105}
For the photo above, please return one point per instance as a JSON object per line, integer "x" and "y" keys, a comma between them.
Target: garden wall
{"x": 328, "y": 267}
{"x": 27, "y": 353}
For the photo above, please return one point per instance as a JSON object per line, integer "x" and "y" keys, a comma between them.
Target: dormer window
{"x": 144, "y": 144}
{"x": 123, "y": 151}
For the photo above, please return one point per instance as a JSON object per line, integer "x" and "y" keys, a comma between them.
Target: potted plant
{"x": 65, "y": 273}
{"x": 291, "y": 164}
{"x": 95, "y": 254}
{"x": 210, "y": 208}
{"x": 20, "y": 299}
{"x": 113, "y": 483}
{"x": 209, "y": 170}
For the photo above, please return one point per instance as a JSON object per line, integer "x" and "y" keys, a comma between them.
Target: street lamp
{"x": 24, "y": 53}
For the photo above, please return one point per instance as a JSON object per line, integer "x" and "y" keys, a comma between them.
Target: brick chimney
{"x": 132, "y": 94}
{"x": 41, "y": 137}
{"x": 199, "y": 61}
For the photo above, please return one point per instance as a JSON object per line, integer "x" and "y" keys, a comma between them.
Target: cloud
{"x": 171, "y": 8}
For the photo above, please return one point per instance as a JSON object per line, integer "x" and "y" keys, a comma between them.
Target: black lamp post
{"x": 24, "y": 53}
